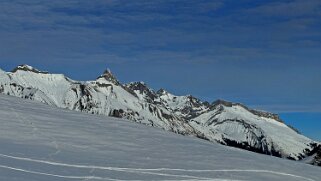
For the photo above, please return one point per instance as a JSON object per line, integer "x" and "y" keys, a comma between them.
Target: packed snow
{"x": 40, "y": 142}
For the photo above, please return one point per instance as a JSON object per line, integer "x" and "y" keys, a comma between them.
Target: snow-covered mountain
{"x": 105, "y": 95}
{"x": 224, "y": 122}
{"x": 236, "y": 125}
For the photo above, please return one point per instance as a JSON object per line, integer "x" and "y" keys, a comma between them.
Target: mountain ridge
{"x": 228, "y": 123}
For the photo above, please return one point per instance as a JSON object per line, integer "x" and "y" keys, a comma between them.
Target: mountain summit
{"x": 26, "y": 67}
{"x": 227, "y": 123}
{"x": 108, "y": 75}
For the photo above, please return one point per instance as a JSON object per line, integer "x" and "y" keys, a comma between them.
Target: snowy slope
{"x": 223, "y": 122}
{"x": 40, "y": 142}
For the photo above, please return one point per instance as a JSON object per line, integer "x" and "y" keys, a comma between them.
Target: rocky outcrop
{"x": 315, "y": 153}
{"x": 256, "y": 112}
{"x": 28, "y": 68}
{"x": 143, "y": 91}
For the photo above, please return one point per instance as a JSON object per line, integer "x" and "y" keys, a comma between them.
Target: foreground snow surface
{"x": 39, "y": 142}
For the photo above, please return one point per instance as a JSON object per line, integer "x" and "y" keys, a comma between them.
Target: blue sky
{"x": 266, "y": 54}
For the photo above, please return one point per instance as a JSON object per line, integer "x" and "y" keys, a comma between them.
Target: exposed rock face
{"x": 256, "y": 112}
{"x": 315, "y": 154}
{"x": 183, "y": 106}
{"x": 318, "y": 159}
{"x": 142, "y": 91}
{"x": 228, "y": 123}
{"x": 28, "y": 68}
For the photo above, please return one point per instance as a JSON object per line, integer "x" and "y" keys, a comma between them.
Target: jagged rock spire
{"x": 108, "y": 75}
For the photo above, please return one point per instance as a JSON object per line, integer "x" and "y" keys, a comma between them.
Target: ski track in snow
{"x": 86, "y": 178}
{"x": 53, "y": 175}
{"x": 151, "y": 171}
{"x": 95, "y": 177}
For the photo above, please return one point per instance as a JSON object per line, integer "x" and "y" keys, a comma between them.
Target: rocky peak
{"x": 222, "y": 102}
{"x": 194, "y": 102}
{"x": 162, "y": 92}
{"x": 140, "y": 86}
{"x": 142, "y": 89}
{"x": 108, "y": 75}
{"x": 193, "y": 99}
{"x": 28, "y": 68}
{"x": 137, "y": 86}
